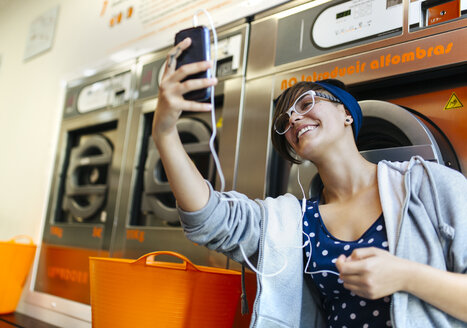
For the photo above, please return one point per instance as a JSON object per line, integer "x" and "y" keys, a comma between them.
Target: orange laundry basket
{"x": 16, "y": 260}
{"x": 148, "y": 293}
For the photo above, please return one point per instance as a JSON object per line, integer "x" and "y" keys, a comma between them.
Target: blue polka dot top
{"x": 342, "y": 307}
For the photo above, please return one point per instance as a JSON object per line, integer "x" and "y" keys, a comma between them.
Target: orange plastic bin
{"x": 16, "y": 260}
{"x": 149, "y": 293}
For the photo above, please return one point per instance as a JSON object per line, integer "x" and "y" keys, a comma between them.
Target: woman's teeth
{"x": 305, "y": 129}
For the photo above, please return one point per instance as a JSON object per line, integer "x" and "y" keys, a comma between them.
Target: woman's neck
{"x": 345, "y": 177}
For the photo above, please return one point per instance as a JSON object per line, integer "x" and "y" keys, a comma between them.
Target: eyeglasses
{"x": 301, "y": 106}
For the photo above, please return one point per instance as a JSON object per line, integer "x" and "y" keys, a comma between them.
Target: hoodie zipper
{"x": 260, "y": 264}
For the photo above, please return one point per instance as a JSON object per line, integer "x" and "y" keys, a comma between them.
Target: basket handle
{"x": 188, "y": 263}
{"x": 15, "y": 238}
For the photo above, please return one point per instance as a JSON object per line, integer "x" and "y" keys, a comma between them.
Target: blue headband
{"x": 349, "y": 102}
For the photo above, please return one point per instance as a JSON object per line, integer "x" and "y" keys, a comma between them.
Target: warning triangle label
{"x": 453, "y": 102}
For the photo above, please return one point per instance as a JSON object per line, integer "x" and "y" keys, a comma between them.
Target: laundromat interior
{"x": 81, "y": 177}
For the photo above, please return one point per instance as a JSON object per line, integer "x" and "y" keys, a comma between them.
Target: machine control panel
{"x": 354, "y": 20}
{"x": 109, "y": 92}
{"x": 94, "y": 96}
{"x": 112, "y": 91}
{"x": 228, "y": 55}
{"x": 336, "y": 25}
{"x": 426, "y": 13}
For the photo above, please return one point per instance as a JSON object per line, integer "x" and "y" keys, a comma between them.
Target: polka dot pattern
{"x": 342, "y": 307}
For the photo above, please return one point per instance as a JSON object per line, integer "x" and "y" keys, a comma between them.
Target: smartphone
{"x": 199, "y": 50}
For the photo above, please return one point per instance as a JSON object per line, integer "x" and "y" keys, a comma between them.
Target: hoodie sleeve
{"x": 229, "y": 219}
{"x": 450, "y": 195}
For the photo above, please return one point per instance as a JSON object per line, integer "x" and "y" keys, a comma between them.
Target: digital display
{"x": 343, "y": 14}
{"x": 442, "y": 12}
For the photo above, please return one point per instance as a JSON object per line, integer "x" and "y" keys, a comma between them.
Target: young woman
{"x": 380, "y": 245}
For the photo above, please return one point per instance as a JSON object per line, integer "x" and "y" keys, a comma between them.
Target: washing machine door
{"x": 87, "y": 178}
{"x": 391, "y": 132}
{"x": 388, "y": 132}
{"x": 157, "y": 199}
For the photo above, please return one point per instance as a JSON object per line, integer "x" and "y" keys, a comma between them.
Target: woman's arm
{"x": 186, "y": 182}
{"x": 374, "y": 273}
{"x": 228, "y": 220}
{"x": 207, "y": 218}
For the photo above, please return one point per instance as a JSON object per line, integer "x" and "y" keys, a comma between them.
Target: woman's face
{"x": 318, "y": 130}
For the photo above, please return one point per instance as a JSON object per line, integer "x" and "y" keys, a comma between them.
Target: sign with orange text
{"x": 440, "y": 50}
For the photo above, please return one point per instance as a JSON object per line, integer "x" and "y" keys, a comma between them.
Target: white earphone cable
{"x": 213, "y": 111}
{"x": 221, "y": 174}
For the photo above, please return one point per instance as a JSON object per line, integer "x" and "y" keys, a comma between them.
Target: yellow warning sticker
{"x": 220, "y": 122}
{"x": 453, "y": 102}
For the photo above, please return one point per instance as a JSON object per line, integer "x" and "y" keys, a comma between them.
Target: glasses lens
{"x": 305, "y": 103}
{"x": 282, "y": 123}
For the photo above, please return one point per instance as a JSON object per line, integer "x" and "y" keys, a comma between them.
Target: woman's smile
{"x": 306, "y": 129}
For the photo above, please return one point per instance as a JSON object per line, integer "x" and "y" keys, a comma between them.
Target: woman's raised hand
{"x": 170, "y": 102}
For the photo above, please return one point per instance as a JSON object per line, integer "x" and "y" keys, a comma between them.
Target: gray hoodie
{"x": 425, "y": 211}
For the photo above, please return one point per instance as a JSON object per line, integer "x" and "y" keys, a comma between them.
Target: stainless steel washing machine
{"x": 81, "y": 211}
{"x": 390, "y": 63}
{"x": 150, "y": 217}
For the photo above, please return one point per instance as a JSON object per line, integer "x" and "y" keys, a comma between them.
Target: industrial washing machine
{"x": 404, "y": 69}
{"x": 81, "y": 212}
{"x": 150, "y": 220}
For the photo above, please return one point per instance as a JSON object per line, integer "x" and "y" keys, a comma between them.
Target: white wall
{"x": 31, "y": 95}
{"x": 28, "y": 121}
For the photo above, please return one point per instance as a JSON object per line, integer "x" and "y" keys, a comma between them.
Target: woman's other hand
{"x": 374, "y": 273}
{"x": 371, "y": 272}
